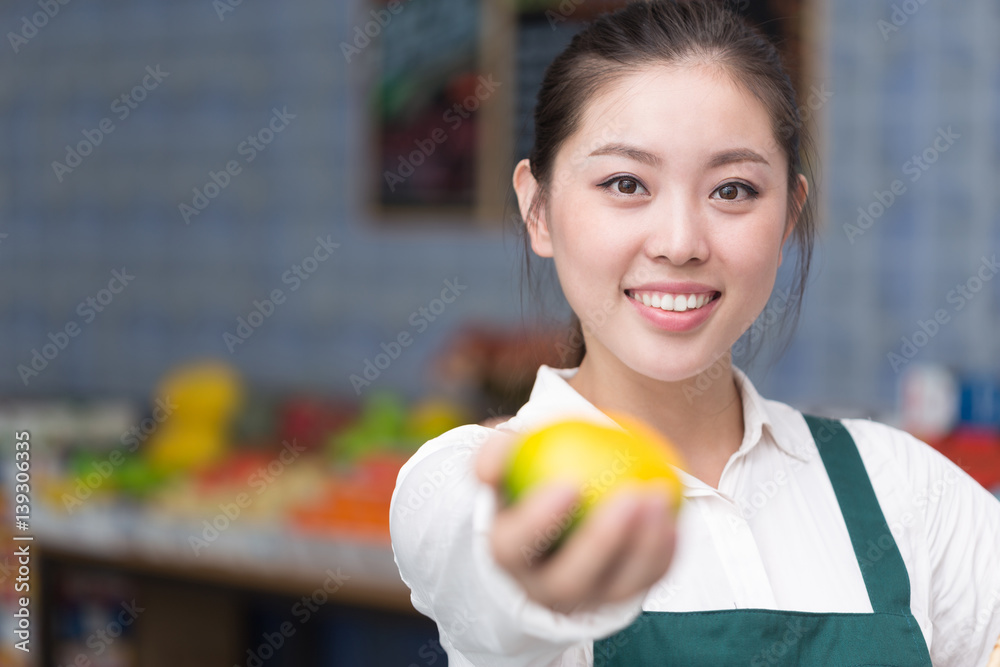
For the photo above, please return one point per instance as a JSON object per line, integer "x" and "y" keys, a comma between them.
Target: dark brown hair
{"x": 657, "y": 32}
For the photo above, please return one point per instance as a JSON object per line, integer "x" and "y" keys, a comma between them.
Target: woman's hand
{"x": 620, "y": 549}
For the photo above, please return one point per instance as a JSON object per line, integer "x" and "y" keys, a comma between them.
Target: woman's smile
{"x": 678, "y": 320}
{"x": 675, "y": 310}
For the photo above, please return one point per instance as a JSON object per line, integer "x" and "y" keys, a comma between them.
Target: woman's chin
{"x": 675, "y": 363}
{"x": 693, "y": 374}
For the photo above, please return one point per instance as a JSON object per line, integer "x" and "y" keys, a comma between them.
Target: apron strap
{"x": 878, "y": 556}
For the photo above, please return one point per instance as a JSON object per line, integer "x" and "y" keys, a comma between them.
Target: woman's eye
{"x": 627, "y": 186}
{"x": 735, "y": 192}
{"x": 624, "y": 185}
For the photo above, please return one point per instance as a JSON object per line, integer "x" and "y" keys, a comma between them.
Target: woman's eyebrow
{"x": 653, "y": 160}
{"x": 736, "y": 155}
{"x": 630, "y": 152}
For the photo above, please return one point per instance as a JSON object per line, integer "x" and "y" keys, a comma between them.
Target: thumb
{"x": 493, "y": 456}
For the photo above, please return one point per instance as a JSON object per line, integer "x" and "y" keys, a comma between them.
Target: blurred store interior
{"x": 253, "y": 255}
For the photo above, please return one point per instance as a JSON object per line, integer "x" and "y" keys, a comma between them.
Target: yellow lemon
{"x": 208, "y": 391}
{"x": 600, "y": 459}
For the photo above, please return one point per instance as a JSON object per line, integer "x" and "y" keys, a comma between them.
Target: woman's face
{"x": 666, "y": 218}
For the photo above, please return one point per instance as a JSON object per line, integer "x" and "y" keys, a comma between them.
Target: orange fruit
{"x": 600, "y": 459}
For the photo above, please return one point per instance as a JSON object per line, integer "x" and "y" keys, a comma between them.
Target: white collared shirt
{"x": 771, "y": 536}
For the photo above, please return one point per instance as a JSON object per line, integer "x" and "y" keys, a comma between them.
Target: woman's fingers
{"x": 995, "y": 656}
{"x": 577, "y": 572}
{"x": 622, "y": 547}
{"x": 523, "y": 533}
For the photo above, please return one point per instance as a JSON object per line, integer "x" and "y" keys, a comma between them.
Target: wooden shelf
{"x": 249, "y": 557}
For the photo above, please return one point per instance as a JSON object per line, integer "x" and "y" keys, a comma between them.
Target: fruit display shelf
{"x": 260, "y": 557}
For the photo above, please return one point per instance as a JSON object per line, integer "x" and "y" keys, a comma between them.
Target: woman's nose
{"x": 676, "y": 233}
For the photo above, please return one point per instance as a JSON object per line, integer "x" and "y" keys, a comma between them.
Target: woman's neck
{"x": 702, "y": 415}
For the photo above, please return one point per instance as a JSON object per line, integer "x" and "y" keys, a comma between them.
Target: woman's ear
{"x": 527, "y": 189}
{"x": 795, "y": 210}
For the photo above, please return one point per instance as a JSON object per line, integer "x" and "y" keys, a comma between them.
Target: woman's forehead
{"x": 692, "y": 108}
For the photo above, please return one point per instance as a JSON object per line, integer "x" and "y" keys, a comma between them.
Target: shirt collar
{"x": 758, "y": 420}
{"x": 553, "y": 398}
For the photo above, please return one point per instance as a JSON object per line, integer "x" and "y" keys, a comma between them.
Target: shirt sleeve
{"x": 961, "y": 531}
{"x": 440, "y": 520}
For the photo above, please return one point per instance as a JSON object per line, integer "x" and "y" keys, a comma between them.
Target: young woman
{"x": 664, "y": 183}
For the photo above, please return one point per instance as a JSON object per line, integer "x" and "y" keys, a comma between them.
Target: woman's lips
{"x": 676, "y": 302}
{"x": 674, "y": 311}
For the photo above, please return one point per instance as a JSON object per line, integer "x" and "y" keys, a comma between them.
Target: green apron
{"x": 888, "y": 637}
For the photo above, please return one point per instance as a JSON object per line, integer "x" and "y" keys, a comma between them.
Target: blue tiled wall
{"x": 120, "y": 207}
{"x": 893, "y": 91}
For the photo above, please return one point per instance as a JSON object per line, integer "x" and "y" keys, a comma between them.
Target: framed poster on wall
{"x": 452, "y": 102}
{"x": 425, "y": 107}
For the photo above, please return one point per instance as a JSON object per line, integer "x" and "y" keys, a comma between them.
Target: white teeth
{"x": 678, "y": 303}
